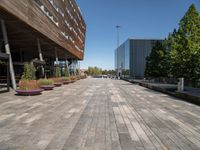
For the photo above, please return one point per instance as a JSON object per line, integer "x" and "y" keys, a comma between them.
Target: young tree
{"x": 66, "y": 72}
{"x": 29, "y": 71}
{"x": 156, "y": 62}
{"x": 57, "y": 71}
{"x": 185, "y": 47}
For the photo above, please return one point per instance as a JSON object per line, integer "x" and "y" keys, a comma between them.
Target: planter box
{"x": 47, "y": 87}
{"x": 58, "y": 84}
{"x": 66, "y": 82}
{"x": 72, "y": 81}
{"x": 29, "y": 92}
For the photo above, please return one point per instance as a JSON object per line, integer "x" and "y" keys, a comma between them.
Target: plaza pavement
{"x": 98, "y": 114}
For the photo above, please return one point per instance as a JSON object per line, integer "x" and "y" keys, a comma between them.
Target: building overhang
{"x": 22, "y": 35}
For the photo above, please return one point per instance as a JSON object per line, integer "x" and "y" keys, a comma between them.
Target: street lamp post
{"x": 117, "y": 27}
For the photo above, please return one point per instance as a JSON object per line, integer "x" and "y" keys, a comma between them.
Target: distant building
{"x": 130, "y": 57}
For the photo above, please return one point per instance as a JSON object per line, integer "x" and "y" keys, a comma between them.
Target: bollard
{"x": 180, "y": 84}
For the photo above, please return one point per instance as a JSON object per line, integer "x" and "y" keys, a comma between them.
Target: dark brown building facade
{"x": 50, "y": 30}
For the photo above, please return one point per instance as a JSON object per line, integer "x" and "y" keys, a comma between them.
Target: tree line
{"x": 98, "y": 71}
{"x": 179, "y": 54}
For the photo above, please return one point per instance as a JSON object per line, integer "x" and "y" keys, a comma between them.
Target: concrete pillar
{"x": 74, "y": 61}
{"x": 40, "y": 56}
{"x": 78, "y": 66}
{"x": 67, "y": 65}
{"x": 8, "y": 77}
{"x": 7, "y": 47}
{"x": 56, "y": 54}
{"x": 39, "y": 49}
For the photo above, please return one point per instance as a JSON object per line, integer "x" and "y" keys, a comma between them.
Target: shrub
{"x": 45, "y": 82}
{"x": 57, "y": 71}
{"x": 78, "y": 72}
{"x": 66, "y": 79}
{"x": 57, "y": 79}
{"x": 78, "y": 77}
{"x": 28, "y": 85}
{"x": 66, "y": 72}
{"x": 73, "y": 78}
{"x": 29, "y": 72}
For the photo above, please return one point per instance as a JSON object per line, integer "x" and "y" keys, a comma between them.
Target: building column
{"x": 39, "y": 49}
{"x": 8, "y": 77}
{"x": 78, "y": 67}
{"x": 67, "y": 65}
{"x": 7, "y": 47}
{"x": 74, "y": 61}
{"x": 40, "y": 55}
{"x": 56, "y": 54}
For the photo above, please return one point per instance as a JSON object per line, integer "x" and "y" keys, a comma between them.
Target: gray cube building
{"x": 130, "y": 57}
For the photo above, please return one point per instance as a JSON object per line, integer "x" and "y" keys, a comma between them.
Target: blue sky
{"x": 137, "y": 18}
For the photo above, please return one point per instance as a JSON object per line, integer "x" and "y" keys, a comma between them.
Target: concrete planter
{"x": 29, "y": 92}
{"x": 58, "y": 84}
{"x": 72, "y": 81}
{"x": 47, "y": 87}
{"x": 66, "y": 82}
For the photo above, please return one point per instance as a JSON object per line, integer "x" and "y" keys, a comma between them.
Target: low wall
{"x": 181, "y": 95}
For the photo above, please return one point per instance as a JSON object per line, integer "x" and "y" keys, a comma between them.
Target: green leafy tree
{"x": 104, "y": 72}
{"x": 126, "y": 72}
{"x": 66, "y": 72}
{"x": 29, "y": 71}
{"x": 185, "y": 47}
{"x": 57, "y": 71}
{"x": 112, "y": 72}
{"x": 156, "y": 62}
{"x": 90, "y": 71}
{"x": 94, "y": 71}
{"x": 78, "y": 72}
{"x": 99, "y": 71}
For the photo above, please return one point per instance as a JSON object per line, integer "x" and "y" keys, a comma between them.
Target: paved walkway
{"x": 98, "y": 114}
